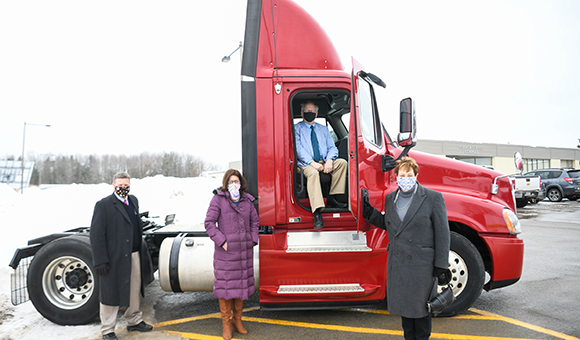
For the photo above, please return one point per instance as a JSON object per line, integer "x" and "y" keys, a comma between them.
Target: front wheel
{"x": 61, "y": 283}
{"x": 467, "y": 274}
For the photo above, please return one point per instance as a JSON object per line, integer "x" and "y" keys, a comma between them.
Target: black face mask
{"x": 309, "y": 116}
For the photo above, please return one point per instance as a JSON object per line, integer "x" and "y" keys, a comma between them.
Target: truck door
{"x": 366, "y": 145}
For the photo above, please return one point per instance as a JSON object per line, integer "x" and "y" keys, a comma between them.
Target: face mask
{"x": 309, "y": 116}
{"x": 234, "y": 190}
{"x": 406, "y": 183}
{"x": 122, "y": 191}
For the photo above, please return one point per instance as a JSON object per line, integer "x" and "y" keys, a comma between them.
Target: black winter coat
{"x": 112, "y": 243}
{"x": 416, "y": 245}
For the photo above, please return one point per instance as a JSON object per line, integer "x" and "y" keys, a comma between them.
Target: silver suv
{"x": 560, "y": 183}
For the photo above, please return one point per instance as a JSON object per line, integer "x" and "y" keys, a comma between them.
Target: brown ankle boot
{"x": 237, "y": 317}
{"x": 226, "y": 311}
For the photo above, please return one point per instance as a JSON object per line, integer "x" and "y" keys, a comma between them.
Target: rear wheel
{"x": 467, "y": 274}
{"x": 554, "y": 195}
{"x": 61, "y": 283}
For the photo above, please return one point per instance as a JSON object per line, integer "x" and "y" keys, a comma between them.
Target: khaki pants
{"x": 337, "y": 185}
{"x": 133, "y": 315}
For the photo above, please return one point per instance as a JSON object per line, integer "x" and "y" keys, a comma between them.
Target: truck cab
{"x": 288, "y": 59}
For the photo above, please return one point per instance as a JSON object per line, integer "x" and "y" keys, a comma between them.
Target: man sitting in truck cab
{"x": 317, "y": 153}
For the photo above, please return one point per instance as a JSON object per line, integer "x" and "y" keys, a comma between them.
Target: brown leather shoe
{"x": 226, "y": 311}
{"x": 237, "y": 317}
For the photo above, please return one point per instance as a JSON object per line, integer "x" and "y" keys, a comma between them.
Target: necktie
{"x": 315, "y": 147}
{"x": 126, "y": 203}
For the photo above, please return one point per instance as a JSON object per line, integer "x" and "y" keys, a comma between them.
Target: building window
{"x": 569, "y": 164}
{"x": 534, "y": 164}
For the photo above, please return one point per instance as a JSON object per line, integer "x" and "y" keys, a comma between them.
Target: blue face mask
{"x": 406, "y": 183}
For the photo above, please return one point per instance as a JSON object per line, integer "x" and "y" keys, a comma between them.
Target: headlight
{"x": 512, "y": 221}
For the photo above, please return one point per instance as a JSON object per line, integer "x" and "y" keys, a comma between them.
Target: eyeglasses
{"x": 235, "y": 181}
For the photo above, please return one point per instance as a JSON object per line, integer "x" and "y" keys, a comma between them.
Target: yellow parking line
{"x": 371, "y": 330}
{"x": 195, "y": 336}
{"x": 483, "y": 315}
{"x": 323, "y": 326}
{"x": 384, "y": 312}
{"x": 195, "y": 318}
{"x": 525, "y": 325}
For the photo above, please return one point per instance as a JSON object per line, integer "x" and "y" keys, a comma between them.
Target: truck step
{"x": 317, "y": 289}
{"x": 330, "y": 241}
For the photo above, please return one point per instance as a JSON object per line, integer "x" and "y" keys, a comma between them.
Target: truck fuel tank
{"x": 186, "y": 264}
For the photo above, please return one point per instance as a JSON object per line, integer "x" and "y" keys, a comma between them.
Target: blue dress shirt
{"x": 304, "y": 144}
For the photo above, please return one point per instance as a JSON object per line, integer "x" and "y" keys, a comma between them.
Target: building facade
{"x": 501, "y": 156}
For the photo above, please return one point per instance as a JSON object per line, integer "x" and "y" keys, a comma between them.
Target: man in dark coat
{"x": 116, "y": 242}
{"x": 416, "y": 221}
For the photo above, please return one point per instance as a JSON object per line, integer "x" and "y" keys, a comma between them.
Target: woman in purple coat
{"x": 232, "y": 224}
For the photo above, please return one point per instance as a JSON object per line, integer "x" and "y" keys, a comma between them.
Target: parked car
{"x": 560, "y": 183}
{"x": 527, "y": 189}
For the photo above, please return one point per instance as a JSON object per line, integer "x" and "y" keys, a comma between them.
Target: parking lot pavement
{"x": 542, "y": 305}
{"x": 356, "y": 324}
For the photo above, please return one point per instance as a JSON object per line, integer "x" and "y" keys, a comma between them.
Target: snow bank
{"x": 55, "y": 208}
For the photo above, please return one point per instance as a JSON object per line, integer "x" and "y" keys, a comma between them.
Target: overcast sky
{"x": 126, "y": 77}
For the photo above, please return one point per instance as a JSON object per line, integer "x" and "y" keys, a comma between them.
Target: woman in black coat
{"x": 416, "y": 221}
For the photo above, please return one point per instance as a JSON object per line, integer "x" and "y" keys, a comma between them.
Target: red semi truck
{"x": 343, "y": 264}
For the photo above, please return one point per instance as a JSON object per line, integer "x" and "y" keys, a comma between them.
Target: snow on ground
{"x": 56, "y": 208}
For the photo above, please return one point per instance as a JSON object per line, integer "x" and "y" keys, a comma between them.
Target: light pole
{"x": 227, "y": 58}
{"x": 22, "y": 159}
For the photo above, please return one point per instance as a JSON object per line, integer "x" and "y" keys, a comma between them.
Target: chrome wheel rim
{"x": 459, "y": 274}
{"x": 68, "y": 282}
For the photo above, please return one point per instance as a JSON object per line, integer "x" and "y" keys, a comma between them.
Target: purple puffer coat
{"x": 238, "y": 226}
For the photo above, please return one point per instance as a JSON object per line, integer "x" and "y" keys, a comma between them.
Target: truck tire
{"x": 521, "y": 202}
{"x": 61, "y": 281}
{"x": 467, "y": 274}
{"x": 554, "y": 195}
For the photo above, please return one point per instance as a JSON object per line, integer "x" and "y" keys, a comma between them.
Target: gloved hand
{"x": 102, "y": 269}
{"x": 367, "y": 208}
{"x": 443, "y": 275}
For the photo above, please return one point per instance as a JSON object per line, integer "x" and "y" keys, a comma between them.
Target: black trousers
{"x": 417, "y": 329}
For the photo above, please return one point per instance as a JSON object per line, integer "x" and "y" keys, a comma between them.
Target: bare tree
{"x": 61, "y": 169}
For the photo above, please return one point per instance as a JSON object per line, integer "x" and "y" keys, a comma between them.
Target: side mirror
{"x": 407, "y": 124}
{"x": 407, "y": 134}
{"x": 375, "y": 79}
{"x": 518, "y": 161}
